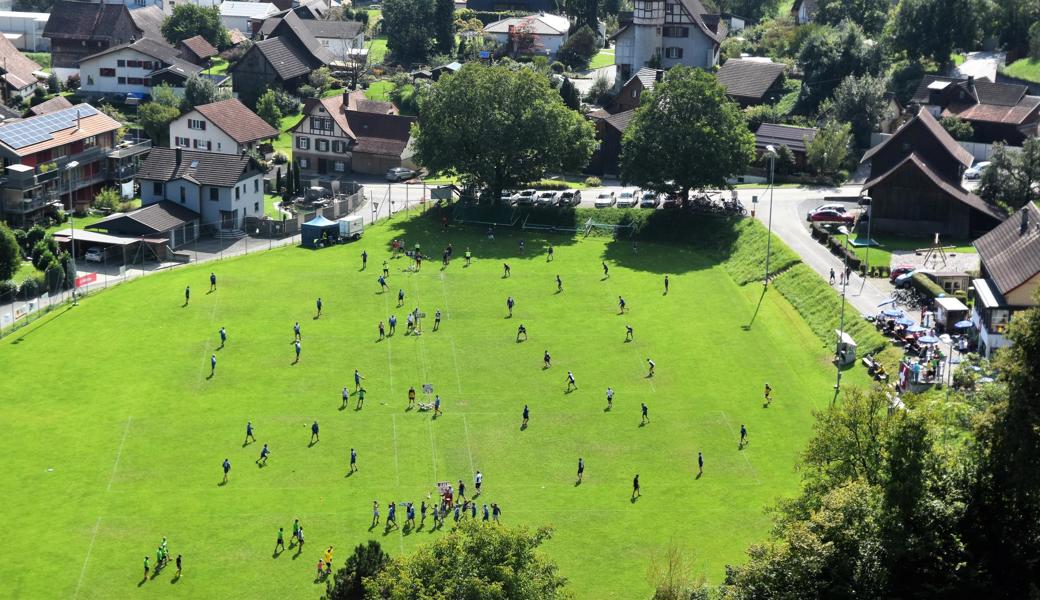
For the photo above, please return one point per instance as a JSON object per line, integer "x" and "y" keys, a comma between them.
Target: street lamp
{"x": 866, "y": 201}
{"x": 841, "y": 327}
{"x": 72, "y": 226}
{"x": 769, "y": 237}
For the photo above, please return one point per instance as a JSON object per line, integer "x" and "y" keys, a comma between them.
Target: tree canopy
{"x": 687, "y": 134}
{"x": 860, "y": 102}
{"x": 579, "y": 48}
{"x": 869, "y": 14}
{"x": 827, "y": 152}
{"x": 409, "y": 26}
{"x": 189, "y": 20}
{"x": 366, "y": 561}
{"x": 200, "y": 90}
{"x": 829, "y": 55}
{"x": 499, "y": 128}
{"x": 1013, "y": 177}
{"x": 444, "y": 26}
{"x": 10, "y": 253}
{"x": 933, "y": 29}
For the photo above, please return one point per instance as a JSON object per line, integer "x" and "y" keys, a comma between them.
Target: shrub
{"x": 33, "y": 286}
{"x": 286, "y": 102}
{"x": 8, "y": 291}
{"x": 593, "y": 182}
{"x": 54, "y": 276}
{"x": 279, "y": 158}
{"x": 557, "y": 67}
{"x": 923, "y": 284}
{"x": 107, "y": 199}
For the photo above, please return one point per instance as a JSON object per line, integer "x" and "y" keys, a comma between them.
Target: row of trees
{"x": 37, "y": 246}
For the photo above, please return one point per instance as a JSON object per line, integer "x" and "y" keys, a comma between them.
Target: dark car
{"x": 650, "y": 200}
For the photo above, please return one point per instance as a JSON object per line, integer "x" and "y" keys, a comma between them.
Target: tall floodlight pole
{"x": 841, "y": 327}
{"x": 769, "y": 237}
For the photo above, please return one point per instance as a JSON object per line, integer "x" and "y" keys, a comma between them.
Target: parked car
{"x": 507, "y": 197}
{"x": 975, "y": 172}
{"x": 671, "y": 201}
{"x": 95, "y": 254}
{"x": 604, "y": 200}
{"x": 650, "y": 200}
{"x": 831, "y": 216}
{"x": 628, "y": 199}
{"x": 399, "y": 174}
{"x": 525, "y": 197}
{"x": 569, "y": 198}
{"x": 546, "y": 198}
{"x": 896, "y": 271}
{"x": 836, "y": 207}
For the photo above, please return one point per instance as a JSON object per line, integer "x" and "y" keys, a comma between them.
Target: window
{"x": 146, "y": 64}
{"x": 183, "y": 195}
{"x": 673, "y": 52}
{"x": 209, "y": 145}
{"x": 90, "y": 142}
{"x": 321, "y": 145}
{"x": 214, "y": 194}
{"x": 304, "y": 163}
{"x": 105, "y": 72}
{"x": 676, "y": 32}
{"x": 181, "y": 142}
{"x": 157, "y": 188}
{"x": 238, "y": 193}
{"x": 197, "y": 124}
{"x": 337, "y": 146}
{"x": 303, "y": 143}
{"x": 135, "y": 81}
{"x": 122, "y": 80}
{"x": 120, "y": 63}
{"x": 321, "y": 124}
{"x": 256, "y": 185}
{"x": 256, "y": 207}
{"x": 339, "y": 166}
{"x": 133, "y": 64}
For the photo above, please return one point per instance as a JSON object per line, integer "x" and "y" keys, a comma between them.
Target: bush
{"x": 579, "y": 48}
{"x": 923, "y": 284}
{"x": 279, "y": 158}
{"x": 557, "y": 67}
{"x": 593, "y": 182}
{"x": 33, "y": 286}
{"x": 8, "y": 291}
{"x": 107, "y": 199}
{"x": 54, "y": 276}
{"x": 286, "y": 102}
{"x": 553, "y": 185}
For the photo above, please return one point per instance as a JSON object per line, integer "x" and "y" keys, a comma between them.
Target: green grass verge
{"x": 269, "y": 206}
{"x": 957, "y": 58}
{"x": 218, "y": 66}
{"x": 604, "y": 58}
{"x": 376, "y": 51}
{"x": 283, "y": 143}
{"x": 1024, "y": 68}
{"x": 882, "y": 255}
{"x": 41, "y": 58}
{"x": 379, "y": 90}
{"x": 140, "y": 448}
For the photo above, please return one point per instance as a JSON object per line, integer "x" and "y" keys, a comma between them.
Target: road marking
{"x": 119, "y": 453}
{"x": 397, "y": 468}
{"x": 469, "y": 449}
{"x": 90, "y": 549}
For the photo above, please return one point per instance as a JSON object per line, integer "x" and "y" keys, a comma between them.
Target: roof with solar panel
{"x": 51, "y": 130}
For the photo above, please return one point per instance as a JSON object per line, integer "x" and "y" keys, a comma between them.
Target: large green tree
{"x": 156, "y": 115}
{"x": 753, "y": 10}
{"x": 869, "y": 14}
{"x": 366, "y": 561}
{"x": 474, "y": 560}
{"x": 859, "y": 101}
{"x": 200, "y": 90}
{"x": 499, "y": 128}
{"x": 829, "y": 55}
{"x": 189, "y": 20}
{"x": 579, "y": 48}
{"x": 828, "y": 151}
{"x": 933, "y": 29}
{"x": 686, "y": 134}
{"x": 10, "y": 253}
{"x": 1013, "y": 177}
{"x": 409, "y": 28}
{"x": 444, "y": 26}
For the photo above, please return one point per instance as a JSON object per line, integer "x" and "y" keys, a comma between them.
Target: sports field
{"x": 115, "y": 432}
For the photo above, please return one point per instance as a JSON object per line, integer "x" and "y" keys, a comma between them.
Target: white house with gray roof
{"x": 666, "y": 33}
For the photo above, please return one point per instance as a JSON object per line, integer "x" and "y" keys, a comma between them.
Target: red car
{"x": 831, "y": 216}
{"x": 900, "y": 270}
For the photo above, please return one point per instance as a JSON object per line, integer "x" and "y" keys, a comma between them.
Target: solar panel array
{"x": 40, "y": 129}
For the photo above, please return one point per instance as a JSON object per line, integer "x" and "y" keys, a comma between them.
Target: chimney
{"x": 1024, "y": 227}
{"x": 77, "y": 120}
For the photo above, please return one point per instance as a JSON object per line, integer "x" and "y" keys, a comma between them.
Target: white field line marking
{"x": 433, "y": 450}
{"x": 119, "y": 453}
{"x": 90, "y": 549}
{"x": 742, "y": 453}
{"x": 469, "y": 449}
{"x": 397, "y": 468}
{"x": 455, "y": 359}
{"x": 389, "y": 355}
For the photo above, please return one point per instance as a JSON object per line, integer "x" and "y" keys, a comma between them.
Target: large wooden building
{"x": 915, "y": 184}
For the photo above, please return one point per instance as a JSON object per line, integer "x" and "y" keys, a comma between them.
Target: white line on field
{"x": 397, "y": 468}
{"x": 90, "y": 548}
{"x": 742, "y": 453}
{"x": 119, "y": 453}
{"x": 433, "y": 450}
{"x": 469, "y": 449}
{"x": 455, "y": 359}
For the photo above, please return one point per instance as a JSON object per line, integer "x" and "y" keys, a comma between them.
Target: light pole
{"x": 841, "y": 327}
{"x": 72, "y": 226}
{"x": 867, "y": 201}
{"x": 769, "y": 237}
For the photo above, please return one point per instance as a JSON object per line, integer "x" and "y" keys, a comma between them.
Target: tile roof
{"x": 149, "y": 20}
{"x": 237, "y": 37}
{"x": 286, "y": 60}
{"x": 235, "y": 119}
{"x": 795, "y": 138}
{"x": 954, "y": 191}
{"x": 200, "y": 46}
{"x": 205, "y": 168}
{"x": 159, "y": 217}
{"x": 356, "y": 100}
{"x": 370, "y": 130}
{"x": 980, "y": 91}
{"x": 749, "y": 78}
{"x": 91, "y": 125}
{"x": 621, "y": 120}
{"x": 1010, "y": 252}
{"x": 71, "y": 20}
{"x": 340, "y": 30}
{"x": 18, "y": 67}
{"x": 926, "y": 119}
{"x": 53, "y": 105}
{"x": 305, "y": 38}
{"x": 996, "y": 113}
{"x": 648, "y": 77}
{"x": 697, "y": 11}
{"x": 155, "y": 49}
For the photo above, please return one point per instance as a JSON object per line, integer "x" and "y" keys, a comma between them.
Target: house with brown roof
{"x": 1010, "y": 276}
{"x": 606, "y": 160}
{"x": 223, "y": 189}
{"x": 48, "y": 106}
{"x": 998, "y": 112}
{"x": 796, "y": 139}
{"x": 197, "y": 50}
{"x": 915, "y": 181}
{"x": 631, "y": 93}
{"x": 667, "y": 33}
{"x": 80, "y": 29}
{"x": 20, "y": 74}
{"x": 285, "y": 59}
{"x": 342, "y": 134}
{"x": 752, "y": 81}
{"x": 227, "y": 127}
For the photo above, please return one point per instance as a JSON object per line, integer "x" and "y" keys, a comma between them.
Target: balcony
{"x": 129, "y": 149}
{"x": 27, "y": 205}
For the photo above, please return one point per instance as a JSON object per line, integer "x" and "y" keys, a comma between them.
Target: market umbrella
{"x": 905, "y": 277}
{"x": 928, "y": 339}
{"x": 892, "y": 312}
{"x": 905, "y": 321}
{"x": 916, "y": 329}
{"x": 963, "y": 324}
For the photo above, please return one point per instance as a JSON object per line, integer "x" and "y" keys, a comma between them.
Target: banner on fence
{"x": 86, "y": 279}
{"x": 24, "y": 309}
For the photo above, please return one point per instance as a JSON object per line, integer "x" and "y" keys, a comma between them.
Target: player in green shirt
{"x": 296, "y": 529}
{"x": 280, "y": 543}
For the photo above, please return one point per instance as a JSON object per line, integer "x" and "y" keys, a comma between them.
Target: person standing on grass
{"x": 318, "y": 303}
{"x": 521, "y": 330}
{"x": 187, "y": 295}
{"x": 700, "y": 464}
{"x": 391, "y": 515}
{"x": 769, "y": 394}
{"x": 646, "y": 416}
{"x": 296, "y": 332}
{"x": 364, "y": 259}
{"x": 383, "y": 287}
{"x": 375, "y": 513}
{"x": 559, "y": 284}
{"x": 549, "y": 254}
{"x": 321, "y": 569}
{"x": 212, "y": 364}
{"x": 297, "y": 346}
{"x": 249, "y": 433}
{"x": 509, "y": 304}
{"x": 393, "y": 323}
{"x": 456, "y": 512}
{"x": 314, "y": 432}
{"x": 295, "y": 531}
{"x": 328, "y": 560}
{"x": 409, "y": 511}
{"x": 743, "y": 436}
{"x": 635, "y": 487}
{"x": 382, "y": 330}
{"x": 299, "y": 537}
{"x": 606, "y": 270}
{"x": 436, "y": 319}
{"x": 212, "y": 282}
{"x": 547, "y": 360}
{"x": 581, "y": 468}
{"x": 571, "y": 384}
{"x": 469, "y": 256}
{"x": 651, "y": 364}
{"x": 505, "y": 270}
{"x": 436, "y": 405}
{"x": 610, "y": 398}
{"x": 411, "y": 397}
{"x": 386, "y": 272}
{"x": 264, "y": 453}
{"x": 227, "y": 469}
{"x": 146, "y": 567}
{"x": 357, "y": 380}
{"x": 621, "y": 305}
{"x": 353, "y": 460}
{"x": 422, "y": 513}
{"x": 496, "y": 512}
{"x": 178, "y": 574}
{"x": 479, "y": 478}
{"x": 360, "y": 399}
{"x": 487, "y": 513}
{"x": 666, "y": 285}
{"x": 462, "y": 490}
{"x": 521, "y": 246}
{"x": 400, "y": 297}
{"x": 223, "y": 336}
{"x": 280, "y": 542}
{"x": 527, "y": 415}
{"x": 629, "y": 333}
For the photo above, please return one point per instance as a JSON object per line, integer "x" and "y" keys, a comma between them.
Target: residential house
{"x": 25, "y": 30}
{"x": 915, "y": 184}
{"x": 162, "y": 224}
{"x": 631, "y": 92}
{"x": 237, "y": 15}
{"x": 666, "y": 33}
{"x": 606, "y": 159}
{"x": 343, "y": 134}
{"x": 549, "y": 31}
{"x": 436, "y": 72}
{"x": 169, "y": 5}
{"x": 79, "y": 29}
{"x": 751, "y": 81}
{"x": 997, "y": 112}
{"x": 529, "y": 6}
{"x": 226, "y": 127}
{"x": 804, "y": 11}
{"x": 60, "y": 158}
{"x": 795, "y": 138}
{"x": 285, "y": 59}
{"x": 1010, "y": 276}
{"x": 48, "y": 106}
{"x": 149, "y": 20}
{"x": 197, "y": 50}
{"x": 128, "y": 71}
{"x": 20, "y": 74}
{"x": 223, "y": 189}
{"x": 343, "y": 39}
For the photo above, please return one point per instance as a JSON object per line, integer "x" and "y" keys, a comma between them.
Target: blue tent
{"x": 313, "y": 230}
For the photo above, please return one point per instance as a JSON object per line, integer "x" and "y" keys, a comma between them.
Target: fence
{"x": 22, "y": 307}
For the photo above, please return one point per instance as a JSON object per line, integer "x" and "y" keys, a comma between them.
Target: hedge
{"x": 921, "y": 283}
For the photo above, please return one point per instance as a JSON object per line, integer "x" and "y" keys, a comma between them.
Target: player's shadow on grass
{"x": 210, "y": 376}
{"x": 349, "y": 474}
{"x": 699, "y": 475}
{"x": 523, "y": 427}
{"x": 176, "y": 578}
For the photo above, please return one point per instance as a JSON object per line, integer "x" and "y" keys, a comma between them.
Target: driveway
{"x": 979, "y": 65}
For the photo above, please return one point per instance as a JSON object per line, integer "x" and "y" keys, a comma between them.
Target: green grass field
{"x": 115, "y": 430}
{"x": 1024, "y": 68}
{"x": 376, "y": 51}
{"x": 603, "y": 58}
{"x": 882, "y": 254}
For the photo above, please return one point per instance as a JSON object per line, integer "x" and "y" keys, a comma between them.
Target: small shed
{"x": 846, "y": 348}
{"x": 949, "y": 310}
{"x": 317, "y": 229}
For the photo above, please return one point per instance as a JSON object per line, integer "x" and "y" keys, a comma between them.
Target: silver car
{"x": 627, "y": 199}
{"x": 546, "y": 198}
{"x": 604, "y": 200}
{"x": 399, "y": 174}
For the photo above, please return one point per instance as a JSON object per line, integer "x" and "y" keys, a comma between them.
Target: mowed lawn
{"x": 115, "y": 432}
